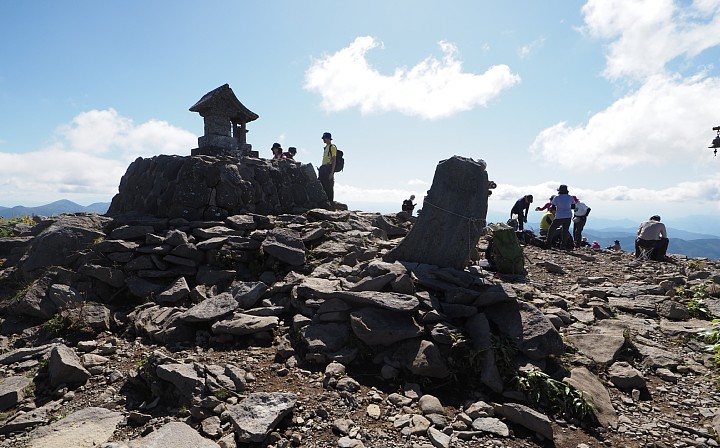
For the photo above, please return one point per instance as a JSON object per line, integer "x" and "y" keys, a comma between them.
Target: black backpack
{"x": 339, "y": 160}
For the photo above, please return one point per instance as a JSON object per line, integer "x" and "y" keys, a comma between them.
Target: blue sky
{"x": 615, "y": 98}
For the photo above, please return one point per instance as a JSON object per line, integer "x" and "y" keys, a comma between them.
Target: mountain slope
{"x": 54, "y": 208}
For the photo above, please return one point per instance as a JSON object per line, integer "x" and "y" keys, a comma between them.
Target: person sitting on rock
{"x": 595, "y": 246}
{"x": 614, "y": 246}
{"x": 290, "y": 154}
{"x": 652, "y": 234}
{"x": 546, "y": 220}
{"x": 277, "y": 152}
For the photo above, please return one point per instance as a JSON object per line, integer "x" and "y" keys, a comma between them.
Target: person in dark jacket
{"x": 408, "y": 205}
{"x": 520, "y": 209}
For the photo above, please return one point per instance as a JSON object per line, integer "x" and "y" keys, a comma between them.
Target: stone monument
{"x": 226, "y": 122}
{"x": 452, "y": 218}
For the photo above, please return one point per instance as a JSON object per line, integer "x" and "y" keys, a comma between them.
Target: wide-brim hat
{"x": 563, "y": 189}
{"x": 327, "y": 135}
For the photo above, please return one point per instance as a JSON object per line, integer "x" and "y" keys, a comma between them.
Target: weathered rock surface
{"x": 206, "y": 318}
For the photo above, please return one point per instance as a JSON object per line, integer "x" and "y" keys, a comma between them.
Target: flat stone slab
{"x": 211, "y": 309}
{"x": 595, "y": 393}
{"x": 175, "y": 435}
{"x": 86, "y": 428}
{"x": 387, "y": 300}
{"x": 242, "y": 324}
{"x": 527, "y": 417}
{"x": 12, "y": 391}
{"x": 601, "y": 348}
{"x": 375, "y": 326}
{"x": 640, "y": 304}
{"x": 687, "y": 328}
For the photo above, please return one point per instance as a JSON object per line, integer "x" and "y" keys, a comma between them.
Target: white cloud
{"x": 432, "y": 89}
{"x": 702, "y": 190}
{"x": 665, "y": 121}
{"x": 526, "y": 50}
{"x": 648, "y": 34}
{"x": 106, "y": 132}
{"x": 701, "y": 196}
{"x": 378, "y": 195}
{"x": 88, "y": 158}
{"x": 418, "y": 183}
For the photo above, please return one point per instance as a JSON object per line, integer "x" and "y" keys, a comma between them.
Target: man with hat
{"x": 564, "y": 205}
{"x": 326, "y": 172}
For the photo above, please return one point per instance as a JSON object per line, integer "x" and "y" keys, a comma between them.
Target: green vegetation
{"x": 65, "y": 322}
{"x": 543, "y": 392}
{"x": 141, "y": 363}
{"x": 7, "y": 226}
{"x": 225, "y": 259}
{"x": 696, "y": 265}
{"x": 694, "y": 298}
{"x": 711, "y": 336}
{"x": 221, "y": 394}
{"x": 553, "y": 395}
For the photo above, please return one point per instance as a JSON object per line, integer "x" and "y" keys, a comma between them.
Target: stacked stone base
{"x": 207, "y": 187}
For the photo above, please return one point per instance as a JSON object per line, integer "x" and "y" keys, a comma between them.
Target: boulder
{"x": 257, "y": 415}
{"x": 65, "y": 367}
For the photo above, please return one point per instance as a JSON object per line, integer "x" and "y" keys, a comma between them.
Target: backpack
{"x": 504, "y": 251}
{"x": 339, "y": 159}
{"x": 407, "y": 205}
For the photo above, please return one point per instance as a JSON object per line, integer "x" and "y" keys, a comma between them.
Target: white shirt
{"x": 652, "y": 230}
{"x": 581, "y": 209}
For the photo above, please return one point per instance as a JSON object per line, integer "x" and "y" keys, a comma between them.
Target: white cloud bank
{"x": 665, "y": 119}
{"x": 87, "y": 159}
{"x": 704, "y": 191}
{"x": 648, "y": 34}
{"x": 432, "y": 89}
{"x": 663, "y": 122}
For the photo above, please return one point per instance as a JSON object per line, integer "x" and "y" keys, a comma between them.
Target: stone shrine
{"x": 226, "y": 120}
{"x": 221, "y": 178}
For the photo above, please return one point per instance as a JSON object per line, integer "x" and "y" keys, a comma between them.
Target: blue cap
{"x": 327, "y": 135}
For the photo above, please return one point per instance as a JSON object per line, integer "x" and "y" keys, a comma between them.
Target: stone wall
{"x": 210, "y": 188}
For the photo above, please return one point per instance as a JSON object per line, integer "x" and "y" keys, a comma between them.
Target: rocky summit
{"x": 291, "y": 330}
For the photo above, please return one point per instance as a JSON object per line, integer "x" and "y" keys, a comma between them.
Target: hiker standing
{"x": 408, "y": 205}
{"x": 564, "y": 204}
{"x": 521, "y": 208}
{"x": 581, "y": 213}
{"x": 326, "y": 172}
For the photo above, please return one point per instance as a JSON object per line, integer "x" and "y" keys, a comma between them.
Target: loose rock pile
{"x": 290, "y": 330}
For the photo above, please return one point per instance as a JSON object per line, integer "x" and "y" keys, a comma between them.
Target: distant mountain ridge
{"x": 692, "y": 247}
{"x": 53, "y": 208}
